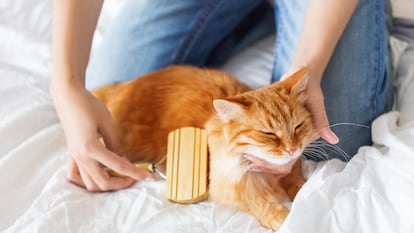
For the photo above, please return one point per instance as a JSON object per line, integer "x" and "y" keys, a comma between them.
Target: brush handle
{"x": 147, "y": 166}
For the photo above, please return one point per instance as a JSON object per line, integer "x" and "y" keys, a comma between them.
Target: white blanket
{"x": 374, "y": 192}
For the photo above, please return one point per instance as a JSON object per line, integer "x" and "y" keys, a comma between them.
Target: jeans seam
{"x": 279, "y": 31}
{"x": 379, "y": 69}
{"x": 198, "y": 27}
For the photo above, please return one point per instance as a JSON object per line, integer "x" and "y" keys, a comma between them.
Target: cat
{"x": 271, "y": 123}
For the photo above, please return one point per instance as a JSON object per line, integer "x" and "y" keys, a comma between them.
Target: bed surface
{"x": 374, "y": 192}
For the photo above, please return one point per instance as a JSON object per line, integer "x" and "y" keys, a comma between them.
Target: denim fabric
{"x": 151, "y": 34}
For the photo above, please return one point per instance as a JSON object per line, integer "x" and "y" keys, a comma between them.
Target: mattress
{"x": 371, "y": 193}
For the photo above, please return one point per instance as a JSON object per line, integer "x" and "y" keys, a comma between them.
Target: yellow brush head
{"x": 187, "y": 165}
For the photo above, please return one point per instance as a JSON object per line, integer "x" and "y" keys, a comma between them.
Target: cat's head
{"x": 271, "y": 123}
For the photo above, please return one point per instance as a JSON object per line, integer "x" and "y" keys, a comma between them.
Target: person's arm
{"x": 323, "y": 26}
{"x": 84, "y": 119}
{"x": 74, "y": 22}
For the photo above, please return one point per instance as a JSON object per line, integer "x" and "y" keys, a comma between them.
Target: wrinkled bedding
{"x": 371, "y": 193}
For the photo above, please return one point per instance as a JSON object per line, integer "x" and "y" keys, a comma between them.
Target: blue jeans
{"x": 151, "y": 34}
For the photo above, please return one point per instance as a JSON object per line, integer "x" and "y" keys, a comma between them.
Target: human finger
{"x": 118, "y": 164}
{"x": 100, "y": 180}
{"x": 90, "y": 184}
{"x": 73, "y": 174}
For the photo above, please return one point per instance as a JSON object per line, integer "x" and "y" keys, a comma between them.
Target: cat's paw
{"x": 274, "y": 217}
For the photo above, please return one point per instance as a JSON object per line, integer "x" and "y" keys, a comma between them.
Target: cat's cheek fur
{"x": 224, "y": 163}
{"x": 225, "y": 174}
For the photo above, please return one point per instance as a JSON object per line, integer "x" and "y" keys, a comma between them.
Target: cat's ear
{"x": 227, "y": 110}
{"x": 296, "y": 82}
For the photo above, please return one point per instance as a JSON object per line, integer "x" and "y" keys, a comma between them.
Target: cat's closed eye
{"x": 270, "y": 133}
{"x": 298, "y": 126}
{"x": 277, "y": 134}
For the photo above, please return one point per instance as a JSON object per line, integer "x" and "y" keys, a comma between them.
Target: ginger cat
{"x": 271, "y": 123}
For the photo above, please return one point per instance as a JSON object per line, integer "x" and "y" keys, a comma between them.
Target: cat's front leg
{"x": 262, "y": 197}
{"x": 294, "y": 181}
{"x": 270, "y": 214}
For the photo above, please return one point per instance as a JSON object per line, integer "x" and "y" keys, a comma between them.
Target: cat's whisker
{"x": 316, "y": 157}
{"x": 339, "y": 150}
{"x": 350, "y": 124}
{"x": 314, "y": 147}
{"x": 316, "y": 153}
{"x": 326, "y": 150}
{"x": 323, "y": 150}
{"x": 322, "y": 155}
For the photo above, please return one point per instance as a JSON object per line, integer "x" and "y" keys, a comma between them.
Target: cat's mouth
{"x": 262, "y": 165}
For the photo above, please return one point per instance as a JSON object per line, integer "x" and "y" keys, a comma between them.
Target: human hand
{"x": 315, "y": 101}
{"x": 85, "y": 120}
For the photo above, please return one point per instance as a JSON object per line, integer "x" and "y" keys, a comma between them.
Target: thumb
{"x": 320, "y": 119}
{"x": 321, "y": 125}
{"x": 328, "y": 135}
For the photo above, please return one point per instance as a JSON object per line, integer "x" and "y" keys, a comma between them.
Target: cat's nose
{"x": 290, "y": 150}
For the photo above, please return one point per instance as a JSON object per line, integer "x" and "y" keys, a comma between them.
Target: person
{"x": 343, "y": 44}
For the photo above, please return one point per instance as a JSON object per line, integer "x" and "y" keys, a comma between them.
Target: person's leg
{"x": 356, "y": 83}
{"x": 257, "y": 25}
{"x": 150, "y": 34}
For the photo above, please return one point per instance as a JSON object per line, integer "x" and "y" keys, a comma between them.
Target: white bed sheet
{"x": 372, "y": 193}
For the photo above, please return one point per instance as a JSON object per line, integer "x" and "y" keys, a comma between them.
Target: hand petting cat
{"x": 315, "y": 101}
{"x": 317, "y": 56}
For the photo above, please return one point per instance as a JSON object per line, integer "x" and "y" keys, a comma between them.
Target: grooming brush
{"x": 187, "y": 166}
